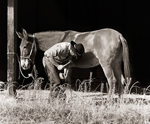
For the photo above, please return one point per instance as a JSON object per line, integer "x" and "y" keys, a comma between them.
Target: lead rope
{"x": 29, "y": 75}
{"x": 34, "y": 70}
{"x": 13, "y": 53}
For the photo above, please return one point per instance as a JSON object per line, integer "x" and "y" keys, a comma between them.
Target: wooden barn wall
{"x": 131, "y": 18}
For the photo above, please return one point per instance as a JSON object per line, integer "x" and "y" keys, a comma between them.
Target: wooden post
{"x": 11, "y": 47}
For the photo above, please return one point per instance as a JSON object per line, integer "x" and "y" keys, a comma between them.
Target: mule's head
{"x": 28, "y": 49}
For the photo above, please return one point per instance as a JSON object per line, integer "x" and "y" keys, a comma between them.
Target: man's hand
{"x": 60, "y": 67}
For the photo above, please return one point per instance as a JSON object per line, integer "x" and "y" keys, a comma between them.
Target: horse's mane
{"x": 48, "y": 38}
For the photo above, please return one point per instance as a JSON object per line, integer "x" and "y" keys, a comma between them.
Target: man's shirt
{"x": 60, "y": 52}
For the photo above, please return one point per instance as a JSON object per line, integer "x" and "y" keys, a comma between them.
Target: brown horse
{"x": 106, "y": 47}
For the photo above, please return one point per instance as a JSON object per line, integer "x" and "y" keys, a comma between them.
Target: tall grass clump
{"x": 80, "y": 107}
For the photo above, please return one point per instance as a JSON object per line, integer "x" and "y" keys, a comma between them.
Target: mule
{"x": 106, "y": 47}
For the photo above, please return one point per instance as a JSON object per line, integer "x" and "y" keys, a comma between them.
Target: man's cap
{"x": 79, "y": 48}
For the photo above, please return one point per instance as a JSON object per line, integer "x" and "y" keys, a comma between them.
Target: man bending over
{"x": 58, "y": 57}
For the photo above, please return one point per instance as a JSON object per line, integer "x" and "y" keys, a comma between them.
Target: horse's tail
{"x": 126, "y": 61}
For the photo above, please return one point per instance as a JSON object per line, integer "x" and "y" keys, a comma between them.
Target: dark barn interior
{"x": 131, "y": 18}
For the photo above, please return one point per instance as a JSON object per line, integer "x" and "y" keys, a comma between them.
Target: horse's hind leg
{"x": 109, "y": 73}
{"x": 119, "y": 76}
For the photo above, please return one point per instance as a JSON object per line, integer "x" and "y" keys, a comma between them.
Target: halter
{"x": 29, "y": 56}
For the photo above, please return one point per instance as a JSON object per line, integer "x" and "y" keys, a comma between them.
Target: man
{"x": 57, "y": 58}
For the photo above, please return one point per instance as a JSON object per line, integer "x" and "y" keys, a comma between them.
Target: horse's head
{"x": 28, "y": 49}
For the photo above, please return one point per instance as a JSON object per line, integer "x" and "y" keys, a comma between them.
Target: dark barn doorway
{"x": 128, "y": 17}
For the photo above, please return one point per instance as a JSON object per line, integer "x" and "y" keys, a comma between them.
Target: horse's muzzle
{"x": 25, "y": 64}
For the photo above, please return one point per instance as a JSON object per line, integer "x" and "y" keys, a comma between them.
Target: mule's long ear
{"x": 19, "y": 35}
{"x": 25, "y": 34}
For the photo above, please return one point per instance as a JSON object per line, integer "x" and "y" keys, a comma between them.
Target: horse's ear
{"x": 19, "y": 35}
{"x": 25, "y": 34}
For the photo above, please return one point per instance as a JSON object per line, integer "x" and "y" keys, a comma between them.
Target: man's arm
{"x": 59, "y": 67}
{"x": 53, "y": 61}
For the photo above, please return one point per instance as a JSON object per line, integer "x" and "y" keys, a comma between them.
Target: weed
{"x": 32, "y": 107}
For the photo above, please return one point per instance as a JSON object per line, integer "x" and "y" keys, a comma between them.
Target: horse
{"x": 106, "y": 47}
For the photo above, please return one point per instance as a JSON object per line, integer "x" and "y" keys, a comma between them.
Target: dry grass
{"x": 81, "y": 108}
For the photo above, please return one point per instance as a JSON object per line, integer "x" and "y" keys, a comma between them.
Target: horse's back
{"x": 93, "y": 38}
{"x": 100, "y": 45}
{"x": 100, "y": 41}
